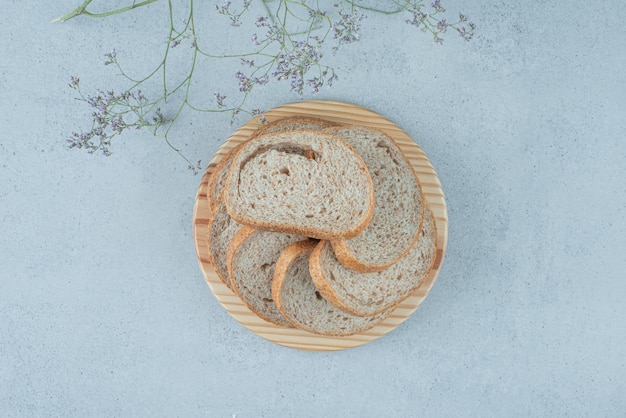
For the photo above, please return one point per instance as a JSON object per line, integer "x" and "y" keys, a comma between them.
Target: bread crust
{"x": 234, "y": 244}
{"x": 283, "y": 265}
{"x": 292, "y": 119}
{"x": 342, "y": 250}
{"x": 225, "y": 280}
{"x": 240, "y": 237}
{"x": 211, "y": 197}
{"x": 297, "y": 229}
{"x": 348, "y": 259}
{"x": 322, "y": 283}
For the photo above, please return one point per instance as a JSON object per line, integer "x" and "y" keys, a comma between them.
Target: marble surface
{"x": 103, "y": 308}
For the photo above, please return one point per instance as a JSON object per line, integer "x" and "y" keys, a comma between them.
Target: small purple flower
{"x": 418, "y": 18}
{"x": 346, "y": 30}
{"x": 235, "y": 21}
{"x": 315, "y": 83}
{"x": 159, "y": 118}
{"x": 259, "y": 112}
{"x": 111, "y": 57}
{"x": 118, "y": 125}
{"x": 140, "y": 97}
{"x": 437, "y": 6}
{"x": 261, "y": 80}
{"x": 224, "y": 8}
{"x": 74, "y": 81}
{"x": 245, "y": 84}
{"x": 248, "y": 62}
{"x": 219, "y": 99}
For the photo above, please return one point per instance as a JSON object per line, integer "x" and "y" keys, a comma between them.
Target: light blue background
{"x": 103, "y": 308}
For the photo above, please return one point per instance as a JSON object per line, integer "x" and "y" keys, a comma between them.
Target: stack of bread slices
{"x": 319, "y": 227}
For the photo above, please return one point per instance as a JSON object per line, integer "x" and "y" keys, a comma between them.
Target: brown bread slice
{"x": 293, "y": 123}
{"x": 370, "y": 293}
{"x": 301, "y": 182}
{"x": 222, "y": 229}
{"x": 251, "y": 259}
{"x": 301, "y": 304}
{"x": 399, "y": 210}
{"x": 218, "y": 178}
{"x": 220, "y": 174}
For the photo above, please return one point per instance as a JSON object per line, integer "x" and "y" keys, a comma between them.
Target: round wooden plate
{"x": 344, "y": 114}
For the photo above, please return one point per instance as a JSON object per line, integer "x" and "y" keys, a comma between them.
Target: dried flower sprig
{"x": 289, "y": 41}
{"x": 112, "y": 114}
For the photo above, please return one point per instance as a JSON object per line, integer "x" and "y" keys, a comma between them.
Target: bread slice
{"x": 301, "y": 304}
{"x": 251, "y": 259}
{"x": 220, "y": 174}
{"x": 218, "y": 179}
{"x": 399, "y": 210}
{"x": 300, "y": 182}
{"x": 293, "y": 123}
{"x": 222, "y": 228}
{"x": 366, "y": 294}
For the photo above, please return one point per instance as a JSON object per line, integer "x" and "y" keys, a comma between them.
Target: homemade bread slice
{"x": 370, "y": 293}
{"x": 301, "y": 304}
{"x": 399, "y": 210}
{"x": 218, "y": 178}
{"x": 222, "y": 228}
{"x": 291, "y": 124}
{"x": 220, "y": 174}
{"x": 251, "y": 259}
{"x": 301, "y": 182}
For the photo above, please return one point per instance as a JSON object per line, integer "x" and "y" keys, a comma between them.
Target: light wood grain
{"x": 344, "y": 114}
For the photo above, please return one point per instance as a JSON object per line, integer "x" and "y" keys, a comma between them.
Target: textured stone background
{"x": 103, "y": 309}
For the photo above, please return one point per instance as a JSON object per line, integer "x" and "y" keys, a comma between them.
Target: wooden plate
{"x": 345, "y": 114}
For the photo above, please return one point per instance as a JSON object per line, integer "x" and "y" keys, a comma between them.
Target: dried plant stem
{"x": 288, "y": 44}
{"x": 82, "y": 10}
